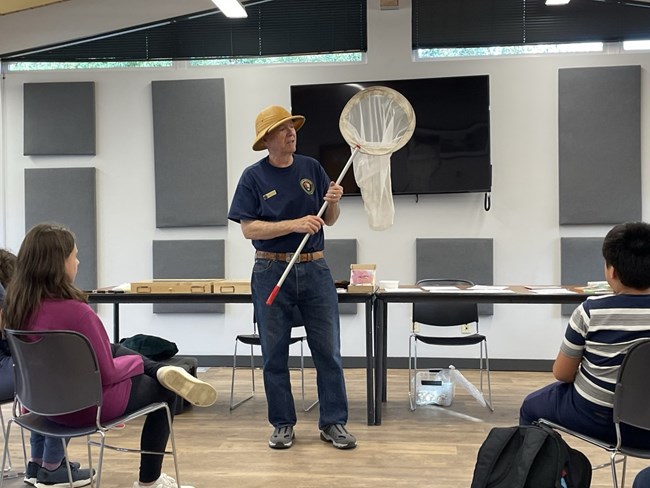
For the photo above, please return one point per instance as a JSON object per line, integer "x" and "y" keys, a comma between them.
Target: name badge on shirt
{"x": 270, "y": 194}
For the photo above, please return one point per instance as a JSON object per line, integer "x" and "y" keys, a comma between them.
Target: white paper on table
{"x": 489, "y": 289}
{"x": 404, "y": 290}
{"x": 125, "y": 287}
{"x": 553, "y": 291}
{"x": 442, "y": 289}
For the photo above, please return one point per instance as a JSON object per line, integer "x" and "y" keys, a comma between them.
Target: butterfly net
{"x": 378, "y": 121}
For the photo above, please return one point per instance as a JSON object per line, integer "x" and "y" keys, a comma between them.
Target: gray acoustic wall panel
{"x": 66, "y": 196}
{"x": 340, "y": 254}
{"x": 600, "y": 144}
{"x": 188, "y": 259}
{"x": 59, "y": 118}
{"x": 581, "y": 260}
{"x": 469, "y": 259}
{"x": 189, "y": 129}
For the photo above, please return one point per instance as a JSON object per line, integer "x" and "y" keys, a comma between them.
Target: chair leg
{"x": 67, "y": 461}
{"x": 487, "y": 369}
{"x": 90, "y": 465}
{"x": 5, "y": 452}
{"x": 305, "y": 408}
{"x": 173, "y": 443}
{"x": 623, "y": 472}
{"x": 7, "y": 468}
{"x": 4, "y": 433}
{"x": 413, "y": 369}
{"x": 612, "y": 459}
{"x": 234, "y": 404}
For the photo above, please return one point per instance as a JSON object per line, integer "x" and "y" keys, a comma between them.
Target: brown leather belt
{"x": 287, "y": 256}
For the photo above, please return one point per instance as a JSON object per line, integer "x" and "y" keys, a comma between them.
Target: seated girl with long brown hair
{"x": 42, "y": 296}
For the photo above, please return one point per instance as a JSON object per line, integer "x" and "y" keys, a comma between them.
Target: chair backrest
{"x": 631, "y": 399}
{"x": 56, "y": 371}
{"x": 445, "y": 314}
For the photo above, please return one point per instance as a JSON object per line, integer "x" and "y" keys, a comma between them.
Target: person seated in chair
{"x": 42, "y": 296}
{"x": 46, "y": 466}
{"x": 600, "y": 332}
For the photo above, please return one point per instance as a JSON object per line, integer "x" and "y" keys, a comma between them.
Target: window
{"x": 307, "y": 58}
{"x": 581, "y": 47}
{"x": 36, "y": 66}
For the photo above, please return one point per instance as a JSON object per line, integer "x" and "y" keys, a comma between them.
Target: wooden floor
{"x": 432, "y": 446}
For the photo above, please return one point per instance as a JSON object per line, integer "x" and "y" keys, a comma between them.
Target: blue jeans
{"x": 642, "y": 479}
{"x": 560, "y": 403}
{"x": 310, "y": 287}
{"x": 49, "y": 449}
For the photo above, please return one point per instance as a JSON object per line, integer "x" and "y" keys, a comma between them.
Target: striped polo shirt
{"x": 601, "y": 330}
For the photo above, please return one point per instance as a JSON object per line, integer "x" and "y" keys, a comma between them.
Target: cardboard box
{"x": 172, "y": 286}
{"x": 363, "y": 274}
{"x": 239, "y": 287}
{"x": 361, "y": 288}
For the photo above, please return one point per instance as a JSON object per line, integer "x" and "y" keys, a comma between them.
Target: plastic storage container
{"x": 434, "y": 387}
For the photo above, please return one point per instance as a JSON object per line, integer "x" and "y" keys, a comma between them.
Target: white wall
{"x": 523, "y": 221}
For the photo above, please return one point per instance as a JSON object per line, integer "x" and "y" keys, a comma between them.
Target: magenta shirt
{"x": 116, "y": 373}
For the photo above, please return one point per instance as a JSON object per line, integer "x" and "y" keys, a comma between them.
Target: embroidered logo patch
{"x": 307, "y": 186}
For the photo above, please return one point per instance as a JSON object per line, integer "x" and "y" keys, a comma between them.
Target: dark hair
{"x": 7, "y": 265}
{"x": 627, "y": 249}
{"x": 39, "y": 274}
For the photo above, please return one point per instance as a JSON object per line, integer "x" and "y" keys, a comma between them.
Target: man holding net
{"x": 277, "y": 203}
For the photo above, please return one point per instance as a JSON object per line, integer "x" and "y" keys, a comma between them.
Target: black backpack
{"x": 530, "y": 456}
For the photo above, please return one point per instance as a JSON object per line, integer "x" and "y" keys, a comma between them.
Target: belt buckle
{"x": 290, "y": 255}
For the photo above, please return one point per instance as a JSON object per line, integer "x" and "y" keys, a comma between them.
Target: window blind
{"x": 481, "y": 23}
{"x": 274, "y": 28}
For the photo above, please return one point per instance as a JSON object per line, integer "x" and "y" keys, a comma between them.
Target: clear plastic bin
{"x": 434, "y": 387}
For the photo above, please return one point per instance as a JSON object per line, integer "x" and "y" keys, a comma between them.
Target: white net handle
{"x": 378, "y": 120}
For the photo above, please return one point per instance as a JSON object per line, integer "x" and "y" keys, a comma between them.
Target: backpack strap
{"x": 534, "y": 439}
{"x": 506, "y": 456}
{"x": 490, "y": 452}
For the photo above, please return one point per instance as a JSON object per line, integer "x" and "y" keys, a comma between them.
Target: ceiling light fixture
{"x": 557, "y": 2}
{"x": 231, "y": 8}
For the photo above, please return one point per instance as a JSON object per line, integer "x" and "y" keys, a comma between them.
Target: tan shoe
{"x": 182, "y": 383}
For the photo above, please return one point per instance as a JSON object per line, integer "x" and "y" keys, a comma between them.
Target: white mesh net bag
{"x": 376, "y": 122}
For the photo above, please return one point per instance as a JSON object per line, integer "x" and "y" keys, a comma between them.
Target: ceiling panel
{"x": 11, "y": 6}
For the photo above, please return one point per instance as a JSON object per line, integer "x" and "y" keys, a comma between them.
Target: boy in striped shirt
{"x": 600, "y": 332}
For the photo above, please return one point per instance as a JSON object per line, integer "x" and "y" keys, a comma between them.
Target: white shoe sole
{"x": 75, "y": 484}
{"x": 182, "y": 383}
{"x": 338, "y": 445}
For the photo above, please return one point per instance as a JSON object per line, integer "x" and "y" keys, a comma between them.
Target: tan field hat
{"x": 268, "y": 119}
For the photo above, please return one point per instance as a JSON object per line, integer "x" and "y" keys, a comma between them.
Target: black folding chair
{"x": 445, "y": 314}
{"x": 254, "y": 340}
{"x": 56, "y": 374}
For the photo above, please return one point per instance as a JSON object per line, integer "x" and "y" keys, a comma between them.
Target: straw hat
{"x": 268, "y": 119}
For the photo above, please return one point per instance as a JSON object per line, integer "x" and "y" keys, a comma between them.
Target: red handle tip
{"x": 269, "y": 300}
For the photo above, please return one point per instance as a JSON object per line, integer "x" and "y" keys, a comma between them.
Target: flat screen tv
{"x": 450, "y": 148}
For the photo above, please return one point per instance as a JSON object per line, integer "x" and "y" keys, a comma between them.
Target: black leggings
{"x": 145, "y": 389}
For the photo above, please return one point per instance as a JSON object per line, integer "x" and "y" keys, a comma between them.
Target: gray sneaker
{"x": 282, "y": 437}
{"x": 339, "y": 436}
